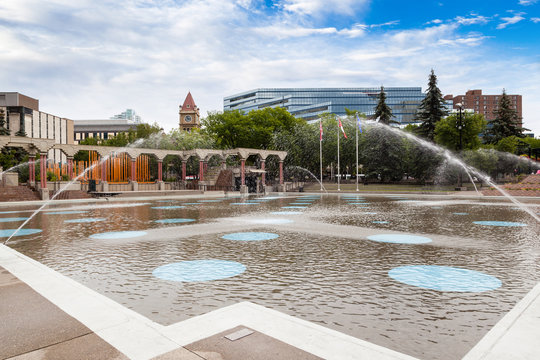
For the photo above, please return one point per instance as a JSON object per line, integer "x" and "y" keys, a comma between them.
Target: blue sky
{"x": 88, "y": 59}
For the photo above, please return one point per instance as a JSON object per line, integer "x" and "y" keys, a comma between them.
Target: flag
{"x": 320, "y": 130}
{"x": 341, "y": 127}
{"x": 359, "y": 124}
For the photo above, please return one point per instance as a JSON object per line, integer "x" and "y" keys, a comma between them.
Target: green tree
{"x": 383, "y": 111}
{"x": 233, "y": 129}
{"x": 3, "y": 130}
{"x": 506, "y": 122}
{"x": 382, "y": 154}
{"x": 431, "y": 110}
{"x": 508, "y": 144}
{"x": 447, "y": 132}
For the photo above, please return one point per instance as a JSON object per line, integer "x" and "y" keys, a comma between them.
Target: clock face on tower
{"x": 187, "y": 118}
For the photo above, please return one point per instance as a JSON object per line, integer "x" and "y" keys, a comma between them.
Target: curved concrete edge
{"x": 515, "y": 336}
{"x": 140, "y": 338}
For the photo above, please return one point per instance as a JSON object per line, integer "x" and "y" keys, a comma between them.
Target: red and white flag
{"x": 341, "y": 127}
{"x": 320, "y": 130}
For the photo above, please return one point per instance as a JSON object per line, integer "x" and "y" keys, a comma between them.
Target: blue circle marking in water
{"x": 286, "y": 213}
{"x": 460, "y": 213}
{"x": 168, "y": 207}
{"x": 69, "y": 212}
{"x": 199, "y": 270}
{"x": 21, "y": 232}
{"x": 250, "y": 236}
{"x": 85, "y": 220}
{"x": 400, "y": 239}
{"x": 380, "y": 222}
{"x": 15, "y": 211}
{"x": 444, "y": 278}
{"x": 300, "y": 203}
{"x": 499, "y": 223}
{"x": 13, "y": 219}
{"x": 118, "y": 235}
{"x": 173, "y": 221}
{"x": 294, "y": 207}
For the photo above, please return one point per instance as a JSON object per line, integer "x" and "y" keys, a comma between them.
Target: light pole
{"x": 460, "y": 129}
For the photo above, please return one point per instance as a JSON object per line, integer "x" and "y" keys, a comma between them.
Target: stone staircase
{"x": 530, "y": 186}
{"x": 72, "y": 194}
{"x": 18, "y": 193}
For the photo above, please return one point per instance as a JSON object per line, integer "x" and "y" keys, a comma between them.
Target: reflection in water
{"x": 339, "y": 283}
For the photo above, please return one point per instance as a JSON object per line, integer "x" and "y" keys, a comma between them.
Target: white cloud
{"x": 535, "y": 20}
{"x": 527, "y": 2}
{"x": 475, "y": 19}
{"x": 434, "y": 21}
{"x": 510, "y": 20}
{"x": 318, "y": 7}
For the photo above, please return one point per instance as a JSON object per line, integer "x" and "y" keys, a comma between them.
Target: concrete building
{"x": 310, "y": 103}
{"x": 101, "y": 129}
{"x": 189, "y": 114}
{"x": 23, "y": 116}
{"x": 485, "y": 104}
{"x": 129, "y": 114}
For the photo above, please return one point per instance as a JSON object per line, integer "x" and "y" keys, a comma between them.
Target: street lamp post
{"x": 460, "y": 130}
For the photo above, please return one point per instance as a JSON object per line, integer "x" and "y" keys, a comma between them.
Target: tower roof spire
{"x": 189, "y": 103}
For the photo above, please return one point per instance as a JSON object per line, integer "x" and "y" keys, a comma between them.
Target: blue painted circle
{"x": 168, "y": 207}
{"x": 294, "y": 207}
{"x": 118, "y": 235}
{"x": 13, "y": 219}
{"x": 199, "y": 270}
{"x": 444, "y": 278}
{"x": 286, "y": 212}
{"x": 85, "y": 220}
{"x": 69, "y": 212}
{"x": 460, "y": 213}
{"x": 21, "y": 232}
{"x": 173, "y": 221}
{"x": 299, "y": 203}
{"x": 380, "y": 222}
{"x": 499, "y": 223}
{"x": 250, "y": 236}
{"x": 399, "y": 239}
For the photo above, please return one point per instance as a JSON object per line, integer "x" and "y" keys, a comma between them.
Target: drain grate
{"x": 239, "y": 334}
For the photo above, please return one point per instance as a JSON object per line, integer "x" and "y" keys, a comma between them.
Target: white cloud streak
{"x": 527, "y": 2}
{"x": 510, "y": 20}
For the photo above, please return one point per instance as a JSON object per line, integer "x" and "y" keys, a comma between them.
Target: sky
{"x": 92, "y": 59}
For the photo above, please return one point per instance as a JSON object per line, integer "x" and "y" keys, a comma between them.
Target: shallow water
{"x": 338, "y": 283}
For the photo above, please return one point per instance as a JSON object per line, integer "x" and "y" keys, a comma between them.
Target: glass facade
{"x": 310, "y": 103}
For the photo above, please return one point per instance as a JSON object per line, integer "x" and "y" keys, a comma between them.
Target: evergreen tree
{"x": 3, "y": 130}
{"x": 505, "y": 123}
{"x": 432, "y": 109}
{"x": 383, "y": 111}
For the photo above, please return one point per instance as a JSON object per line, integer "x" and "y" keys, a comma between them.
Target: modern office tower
{"x": 129, "y": 114}
{"x": 310, "y": 103}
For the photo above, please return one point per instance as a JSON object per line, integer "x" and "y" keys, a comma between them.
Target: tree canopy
{"x": 383, "y": 111}
{"x": 232, "y": 129}
{"x": 506, "y": 122}
{"x": 447, "y": 132}
{"x": 432, "y": 109}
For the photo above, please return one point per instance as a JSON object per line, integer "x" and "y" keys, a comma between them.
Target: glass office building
{"x": 310, "y": 103}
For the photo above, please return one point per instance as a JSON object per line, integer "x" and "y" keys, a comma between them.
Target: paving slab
{"x": 88, "y": 347}
{"x": 255, "y": 346}
{"x": 30, "y": 322}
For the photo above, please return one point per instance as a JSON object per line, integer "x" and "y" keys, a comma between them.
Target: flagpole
{"x": 320, "y": 151}
{"x": 356, "y": 154}
{"x": 338, "y": 173}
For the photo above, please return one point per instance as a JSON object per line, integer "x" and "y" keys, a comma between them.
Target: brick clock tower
{"x": 189, "y": 114}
